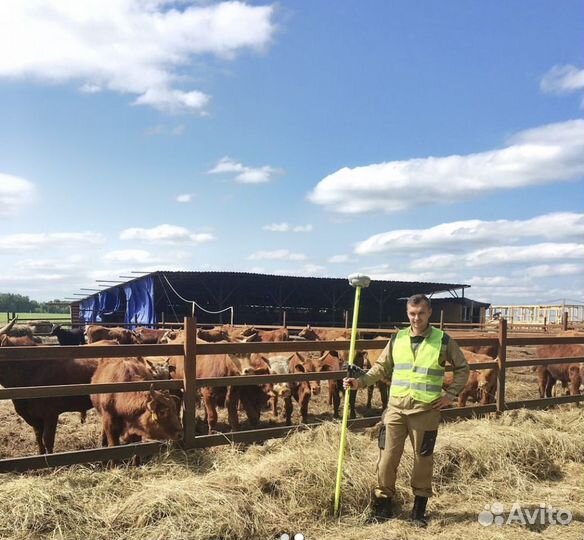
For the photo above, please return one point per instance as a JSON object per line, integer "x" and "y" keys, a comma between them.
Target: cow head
{"x": 243, "y": 363}
{"x": 280, "y": 365}
{"x": 55, "y": 329}
{"x": 161, "y": 419}
{"x": 486, "y": 385}
{"x": 161, "y": 370}
{"x": 309, "y": 334}
{"x": 310, "y": 366}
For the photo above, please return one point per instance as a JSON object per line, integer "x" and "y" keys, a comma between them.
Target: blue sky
{"x": 427, "y": 141}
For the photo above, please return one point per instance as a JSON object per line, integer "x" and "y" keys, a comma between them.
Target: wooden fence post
{"x": 346, "y": 318}
{"x": 502, "y": 360}
{"x": 544, "y": 323}
{"x": 565, "y": 321}
{"x": 284, "y": 318}
{"x": 190, "y": 380}
{"x": 441, "y": 319}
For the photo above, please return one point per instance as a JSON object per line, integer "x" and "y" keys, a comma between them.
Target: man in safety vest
{"x": 414, "y": 361}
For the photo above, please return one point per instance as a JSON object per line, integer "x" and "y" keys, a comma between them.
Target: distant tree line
{"x": 18, "y": 303}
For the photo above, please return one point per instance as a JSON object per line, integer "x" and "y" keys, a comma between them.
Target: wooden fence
{"x": 190, "y": 350}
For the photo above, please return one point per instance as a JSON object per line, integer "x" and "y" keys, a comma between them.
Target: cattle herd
{"x": 154, "y": 414}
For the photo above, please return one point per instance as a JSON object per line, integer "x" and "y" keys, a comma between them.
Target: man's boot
{"x": 419, "y": 511}
{"x": 382, "y": 510}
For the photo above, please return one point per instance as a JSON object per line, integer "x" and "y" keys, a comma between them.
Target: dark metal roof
{"x": 393, "y": 289}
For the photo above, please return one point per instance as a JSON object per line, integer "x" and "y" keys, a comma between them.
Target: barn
{"x": 222, "y": 297}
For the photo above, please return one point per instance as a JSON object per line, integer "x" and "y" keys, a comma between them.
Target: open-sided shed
{"x": 254, "y": 299}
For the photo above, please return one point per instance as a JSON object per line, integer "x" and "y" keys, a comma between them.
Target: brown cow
{"x": 42, "y": 414}
{"x": 236, "y": 333}
{"x": 264, "y": 336}
{"x": 331, "y": 362}
{"x": 481, "y": 385}
{"x": 122, "y": 335}
{"x": 300, "y": 391}
{"x": 570, "y": 375}
{"x": 371, "y": 356}
{"x": 223, "y": 365}
{"x": 324, "y": 334}
{"x": 213, "y": 335}
{"x": 133, "y": 416}
{"x": 489, "y": 350}
{"x": 149, "y": 335}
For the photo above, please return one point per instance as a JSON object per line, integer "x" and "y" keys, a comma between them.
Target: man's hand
{"x": 442, "y": 402}
{"x": 349, "y": 382}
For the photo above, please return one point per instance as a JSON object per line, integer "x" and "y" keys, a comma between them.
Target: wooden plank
{"x": 544, "y": 361}
{"x": 543, "y": 402}
{"x": 61, "y": 459}
{"x": 468, "y": 412}
{"x": 84, "y": 351}
{"x": 52, "y": 352}
{"x": 502, "y": 357}
{"x": 85, "y": 389}
{"x": 287, "y": 346}
{"x": 190, "y": 380}
{"x": 545, "y": 340}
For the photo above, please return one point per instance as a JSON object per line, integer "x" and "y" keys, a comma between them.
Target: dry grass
{"x": 286, "y": 486}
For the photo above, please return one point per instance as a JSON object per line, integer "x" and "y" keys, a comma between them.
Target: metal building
{"x": 222, "y": 297}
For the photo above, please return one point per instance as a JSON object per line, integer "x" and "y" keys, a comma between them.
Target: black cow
{"x": 75, "y": 336}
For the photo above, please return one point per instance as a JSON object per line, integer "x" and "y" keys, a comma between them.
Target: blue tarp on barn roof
{"x": 139, "y": 308}
{"x": 108, "y": 303}
{"x": 140, "y": 302}
{"x": 88, "y": 310}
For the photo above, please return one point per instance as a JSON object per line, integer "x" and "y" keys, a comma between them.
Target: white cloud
{"x": 166, "y": 234}
{"x": 26, "y": 241}
{"x": 286, "y": 227}
{"x": 552, "y": 270}
{"x": 492, "y": 281}
{"x": 313, "y": 270}
{"x": 546, "y": 154}
{"x": 524, "y": 254}
{"x": 129, "y": 255}
{"x": 15, "y": 193}
{"x": 277, "y": 255}
{"x": 277, "y": 227}
{"x": 90, "y": 88}
{"x": 553, "y": 226}
{"x": 243, "y": 173}
{"x": 302, "y": 228}
{"x": 434, "y": 261}
{"x": 426, "y": 277}
{"x": 337, "y": 259}
{"x": 307, "y": 270}
{"x": 140, "y": 47}
{"x": 184, "y": 198}
{"x": 173, "y": 101}
{"x": 563, "y": 79}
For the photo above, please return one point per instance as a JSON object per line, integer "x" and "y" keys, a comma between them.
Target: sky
{"x": 437, "y": 141}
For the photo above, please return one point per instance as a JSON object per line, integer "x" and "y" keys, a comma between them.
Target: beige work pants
{"x": 422, "y": 428}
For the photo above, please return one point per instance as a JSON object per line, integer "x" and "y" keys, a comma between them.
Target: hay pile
{"x": 287, "y": 485}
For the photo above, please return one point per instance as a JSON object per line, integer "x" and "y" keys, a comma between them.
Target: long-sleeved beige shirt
{"x": 383, "y": 369}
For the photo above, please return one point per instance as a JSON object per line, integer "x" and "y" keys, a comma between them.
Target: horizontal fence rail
{"x": 190, "y": 350}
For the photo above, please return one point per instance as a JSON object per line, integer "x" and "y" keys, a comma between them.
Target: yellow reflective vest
{"x": 420, "y": 376}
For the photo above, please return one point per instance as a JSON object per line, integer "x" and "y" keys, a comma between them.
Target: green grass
{"x": 23, "y": 317}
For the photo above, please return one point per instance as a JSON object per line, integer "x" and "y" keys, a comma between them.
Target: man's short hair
{"x": 417, "y": 299}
